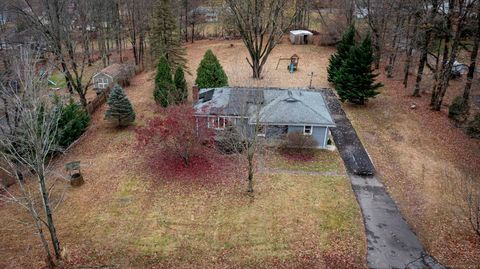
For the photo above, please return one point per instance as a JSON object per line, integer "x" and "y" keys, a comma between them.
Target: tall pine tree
{"x": 163, "y": 83}
{"x": 120, "y": 109}
{"x": 210, "y": 73}
{"x": 343, "y": 49}
{"x": 355, "y": 81}
{"x": 165, "y": 39}
{"x": 181, "y": 93}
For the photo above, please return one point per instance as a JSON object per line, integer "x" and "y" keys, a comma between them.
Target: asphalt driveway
{"x": 390, "y": 240}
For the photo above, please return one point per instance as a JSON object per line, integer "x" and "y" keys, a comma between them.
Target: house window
{"x": 102, "y": 83}
{"x": 307, "y": 130}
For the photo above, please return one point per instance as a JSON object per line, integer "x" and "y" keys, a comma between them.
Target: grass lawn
{"x": 314, "y": 160}
{"x": 58, "y": 79}
{"x": 291, "y": 220}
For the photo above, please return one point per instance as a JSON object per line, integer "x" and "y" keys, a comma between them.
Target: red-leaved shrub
{"x": 176, "y": 133}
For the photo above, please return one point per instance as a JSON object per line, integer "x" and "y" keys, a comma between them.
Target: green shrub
{"x": 163, "y": 93}
{"x": 210, "y": 73}
{"x": 164, "y": 72}
{"x": 355, "y": 81}
{"x": 458, "y": 110}
{"x": 73, "y": 122}
{"x": 163, "y": 83}
{"x": 120, "y": 109}
{"x": 343, "y": 49}
{"x": 181, "y": 93}
{"x": 473, "y": 128}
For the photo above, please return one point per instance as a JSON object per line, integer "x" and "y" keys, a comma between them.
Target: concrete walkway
{"x": 390, "y": 240}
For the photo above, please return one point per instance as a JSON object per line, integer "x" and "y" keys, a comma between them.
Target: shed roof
{"x": 274, "y": 106}
{"x": 113, "y": 70}
{"x": 301, "y": 32}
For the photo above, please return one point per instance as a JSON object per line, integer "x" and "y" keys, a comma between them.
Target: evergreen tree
{"x": 165, "y": 39}
{"x": 72, "y": 124}
{"x": 181, "y": 93}
{"x": 120, "y": 109}
{"x": 210, "y": 73}
{"x": 355, "y": 81}
{"x": 163, "y": 83}
{"x": 343, "y": 49}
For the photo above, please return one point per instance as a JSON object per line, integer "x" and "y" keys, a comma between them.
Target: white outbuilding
{"x": 301, "y": 37}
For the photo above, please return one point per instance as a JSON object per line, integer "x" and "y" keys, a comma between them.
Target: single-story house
{"x": 301, "y": 37}
{"x": 277, "y": 111}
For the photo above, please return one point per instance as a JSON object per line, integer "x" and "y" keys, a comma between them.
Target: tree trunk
{"x": 48, "y": 213}
{"x": 421, "y": 64}
{"x": 441, "y": 73}
{"x": 250, "y": 172}
{"x": 377, "y": 49}
{"x": 193, "y": 32}
{"x": 393, "y": 55}
{"x": 43, "y": 240}
{"x": 473, "y": 60}
{"x": 426, "y": 43}
{"x": 408, "y": 60}
{"x": 256, "y": 68}
{"x": 186, "y": 21}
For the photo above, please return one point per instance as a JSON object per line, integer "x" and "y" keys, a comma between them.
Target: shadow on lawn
{"x": 298, "y": 155}
{"x": 206, "y": 166}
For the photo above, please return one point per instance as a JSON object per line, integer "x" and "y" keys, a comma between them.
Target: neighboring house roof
{"x": 273, "y": 106}
{"x": 203, "y": 10}
{"x": 301, "y": 32}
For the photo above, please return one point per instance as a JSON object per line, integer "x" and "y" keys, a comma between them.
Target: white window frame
{"x": 102, "y": 83}
{"x": 305, "y": 130}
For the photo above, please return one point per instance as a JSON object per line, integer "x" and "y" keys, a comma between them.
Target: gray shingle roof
{"x": 273, "y": 106}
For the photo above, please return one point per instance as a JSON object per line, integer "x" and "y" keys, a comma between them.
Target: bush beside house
{"x": 210, "y": 72}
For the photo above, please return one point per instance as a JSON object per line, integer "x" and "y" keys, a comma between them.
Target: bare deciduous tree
{"x": 55, "y": 21}
{"x": 458, "y": 14}
{"x": 261, "y": 24}
{"x": 244, "y": 135}
{"x": 27, "y": 154}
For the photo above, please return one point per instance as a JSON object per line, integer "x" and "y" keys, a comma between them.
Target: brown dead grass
{"x": 422, "y": 158}
{"x": 312, "y": 59}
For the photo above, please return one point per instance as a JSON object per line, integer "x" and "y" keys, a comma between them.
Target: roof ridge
{"x": 316, "y": 112}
